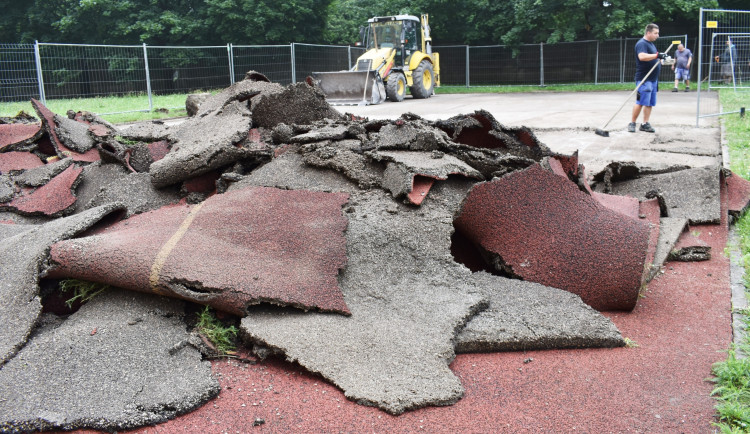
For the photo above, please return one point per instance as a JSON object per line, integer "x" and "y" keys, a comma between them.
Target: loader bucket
{"x": 351, "y": 87}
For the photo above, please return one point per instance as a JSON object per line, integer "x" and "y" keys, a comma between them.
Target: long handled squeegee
{"x": 604, "y": 133}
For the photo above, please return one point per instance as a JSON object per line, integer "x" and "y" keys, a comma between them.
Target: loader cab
{"x": 400, "y": 32}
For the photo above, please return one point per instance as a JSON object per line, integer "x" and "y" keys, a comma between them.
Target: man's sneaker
{"x": 647, "y": 128}
{"x": 631, "y": 127}
{"x": 687, "y": 89}
{"x": 675, "y": 90}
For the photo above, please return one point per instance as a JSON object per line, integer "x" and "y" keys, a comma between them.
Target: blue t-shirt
{"x": 681, "y": 58}
{"x": 642, "y": 68}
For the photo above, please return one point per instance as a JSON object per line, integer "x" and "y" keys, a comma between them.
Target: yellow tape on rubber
{"x": 166, "y": 249}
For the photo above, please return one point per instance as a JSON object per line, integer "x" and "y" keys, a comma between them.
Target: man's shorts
{"x": 681, "y": 74}
{"x": 646, "y": 95}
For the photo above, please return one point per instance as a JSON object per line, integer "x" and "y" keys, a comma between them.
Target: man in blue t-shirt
{"x": 681, "y": 67}
{"x": 647, "y": 57}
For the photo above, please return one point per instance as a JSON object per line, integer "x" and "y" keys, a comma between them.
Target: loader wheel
{"x": 424, "y": 80}
{"x": 396, "y": 87}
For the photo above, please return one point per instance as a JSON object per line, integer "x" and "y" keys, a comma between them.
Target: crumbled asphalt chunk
{"x": 345, "y": 156}
{"x": 296, "y": 104}
{"x": 93, "y": 178}
{"x": 204, "y": 143}
{"x": 246, "y": 91}
{"x": 7, "y": 188}
{"x": 690, "y": 254}
{"x": 194, "y": 101}
{"x": 151, "y": 131}
{"x": 73, "y": 134}
{"x": 528, "y": 316}
{"x": 411, "y": 136}
{"x": 20, "y": 258}
{"x": 136, "y": 192}
{"x": 104, "y": 371}
{"x": 41, "y": 175}
{"x": 690, "y": 248}
{"x": 289, "y": 171}
{"x": 435, "y": 164}
{"x": 282, "y": 133}
{"x": 692, "y": 193}
{"x": 482, "y": 130}
{"x": 333, "y": 132}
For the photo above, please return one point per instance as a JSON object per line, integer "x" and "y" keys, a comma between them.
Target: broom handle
{"x": 636, "y": 88}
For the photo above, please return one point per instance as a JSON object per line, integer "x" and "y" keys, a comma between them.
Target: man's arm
{"x": 645, "y": 57}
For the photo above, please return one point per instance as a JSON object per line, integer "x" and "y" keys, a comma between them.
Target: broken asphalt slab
{"x": 525, "y": 316}
{"x": 22, "y": 251}
{"x": 233, "y": 250}
{"x": 119, "y": 362}
{"x": 408, "y": 298}
{"x": 691, "y": 193}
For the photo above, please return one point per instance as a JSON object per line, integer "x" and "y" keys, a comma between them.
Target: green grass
{"x": 110, "y": 104}
{"x": 732, "y": 376}
{"x": 82, "y": 290}
{"x": 221, "y": 336}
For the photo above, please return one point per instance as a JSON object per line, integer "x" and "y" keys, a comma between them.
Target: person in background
{"x": 681, "y": 67}
{"x": 727, "y": 59}
{"x": 646, "y": 58}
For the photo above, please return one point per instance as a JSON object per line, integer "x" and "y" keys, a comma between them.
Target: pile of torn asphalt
{"x": 368, "y": 252}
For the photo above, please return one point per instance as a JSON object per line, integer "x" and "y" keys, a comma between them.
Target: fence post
{"x": 596, "y": 67}
{"x": 700, "y": 68}
{"x": 468, "y": 82}
{"x": 294, "y": 66}
{"x": 148, "y": 78}
{"x": 230, "y": 55}
{"x": 541, "y": 64}
{"x": 349, "y": 52}
{"x": 39, "y": 77}
{"x": 622, "y": 61}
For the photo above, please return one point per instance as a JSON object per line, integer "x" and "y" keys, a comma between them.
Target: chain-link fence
{"x": 591, "y": 62}
{"x": 45, "y": 70}
{"x": 724, "y": 58}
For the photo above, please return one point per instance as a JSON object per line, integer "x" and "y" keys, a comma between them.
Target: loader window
{"x": 384, "y": 35}
{"x": 411, "y": 39}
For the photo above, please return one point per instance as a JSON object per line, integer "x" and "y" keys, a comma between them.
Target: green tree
{"x": 266, "y": 21}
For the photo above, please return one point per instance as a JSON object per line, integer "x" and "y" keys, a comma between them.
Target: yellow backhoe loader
{"x": 399, "y": 56}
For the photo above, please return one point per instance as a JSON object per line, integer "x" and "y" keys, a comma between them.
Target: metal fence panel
{"x": 322, "y": 58}
{"x": 271, "y": 60}
{"x": 611, "y": 57}
{"x": 497, "y": 65}
{"x": 18, "y": 80}
{"x": 188, "y": 69}
{"x": 453, "y": 64}
{"x": 570, "y": 62}
{"x": 74, "y": 71}
{"x": 716, "y": 27}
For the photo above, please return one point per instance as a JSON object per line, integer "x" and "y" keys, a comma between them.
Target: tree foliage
{"x": 215, "y": 22}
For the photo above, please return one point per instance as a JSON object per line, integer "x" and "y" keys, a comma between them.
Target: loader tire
{"x": 424, "y": 80}
{"x": 396, "y": 87}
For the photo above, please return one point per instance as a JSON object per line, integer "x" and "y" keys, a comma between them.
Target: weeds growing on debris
{"x": 732, "y": 376}
{"x": 221, "y": 336}
{"x": 82, "y": 290}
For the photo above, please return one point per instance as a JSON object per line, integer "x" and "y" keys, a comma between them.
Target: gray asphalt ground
{"x": 566, "y": 121}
